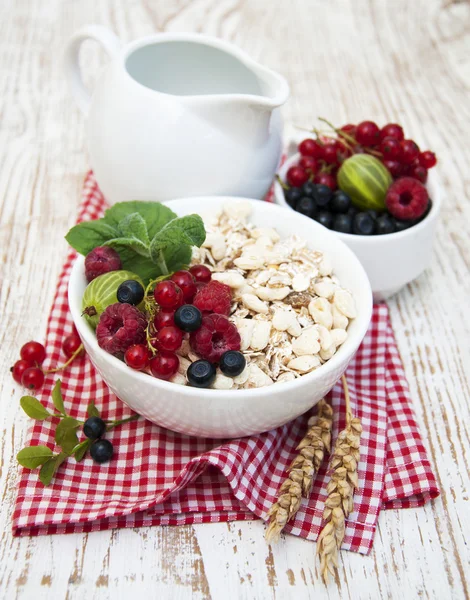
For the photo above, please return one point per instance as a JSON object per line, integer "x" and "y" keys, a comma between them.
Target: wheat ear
{"x": 301, "y": 471}
{"x": 340, "y": 489}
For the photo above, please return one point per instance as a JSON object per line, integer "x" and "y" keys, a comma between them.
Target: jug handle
{"x": 107, "y": 39}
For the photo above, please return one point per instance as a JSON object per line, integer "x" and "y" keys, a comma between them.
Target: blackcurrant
{"x": 101, "y": 451}
{"x": 201, "y": 373}
{"x": 322, "y": 194}
{"x": 325, "y": 218}
{"x": 308, "y": 189}
{"x": 188, "y": 317}
{"x": 385, "y": 224}
{"x": 363, "y": 224}
{"x": 292, "y": 195}
{"x": 232, "y": 363}
{"x": 130, "y": 292}
{"x": 342, "y": 223}
{"x": 340, "y": 203}
{"x": 306, "y": 206}
{"x": 94, "y": 428}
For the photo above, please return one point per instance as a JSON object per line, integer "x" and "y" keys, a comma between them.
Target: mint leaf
{"x": 80, "y": 450}
{"x": 34, "y": 409}
{"x": 155, "y": 215}
{"x": 133, "y": 243}
{"x": 134, "y": 226}
{"x": 90, "y": 234}
{"x": 32, "y": 457}
{"x": 49, "y": 469}
{"x": 91, "y": 410}
{"x": 184, "y": 231}
{"x": 57, "y": 397}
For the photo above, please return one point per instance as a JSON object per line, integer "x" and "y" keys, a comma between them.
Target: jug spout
{"x": 274, "y": 89}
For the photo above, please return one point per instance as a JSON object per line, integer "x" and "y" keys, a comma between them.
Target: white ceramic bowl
{"x": 215, "y": 413}
{"x": 391, "y": 261}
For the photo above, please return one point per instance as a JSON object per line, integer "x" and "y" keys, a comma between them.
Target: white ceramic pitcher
{"x": 179, "y": 114}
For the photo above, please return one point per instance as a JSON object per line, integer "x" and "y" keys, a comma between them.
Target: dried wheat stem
{"x": 339, "y": 503}
{"x": 301, "y": 471}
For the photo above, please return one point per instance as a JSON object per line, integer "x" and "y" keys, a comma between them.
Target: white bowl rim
{"x": 432, "y": 182}
{"x": 350, "y": 345}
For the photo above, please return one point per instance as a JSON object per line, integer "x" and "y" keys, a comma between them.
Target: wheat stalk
{"x": 340, "y": 489}
{"x": 301, "y": 471}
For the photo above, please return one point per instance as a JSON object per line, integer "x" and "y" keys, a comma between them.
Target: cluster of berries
{"x": 322, "y": 157}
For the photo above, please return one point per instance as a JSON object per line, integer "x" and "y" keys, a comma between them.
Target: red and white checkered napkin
{"x": 160, "y": 477}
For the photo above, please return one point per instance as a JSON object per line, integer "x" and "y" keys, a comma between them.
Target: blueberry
{"x": 188, "y": 317}
{"x": 201, "y": 373}
{"x": 342, "y": 223}
{"x": 94, "y": 428}
{"x": 308, "y": 189}
{"x": 363, "y": 224}
{"x": 130, "y": 292}
{"x": 232, "y": 363}
{"x": 306, "y": 206}
{"x": 373, "y": 213}
{"x": 322, "y": 194}
{"x": 402, "y": 225}
{"x": 325, "y": 218}
{"x": 385, "y": 224}
{"x": 352, "y": 211}
{"x": 341, "y": 202}
{"x": 292, "y": 195}
{"x": 101, "y": 451}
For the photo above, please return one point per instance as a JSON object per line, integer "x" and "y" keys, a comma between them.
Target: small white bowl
{"x": 393, "y": 260}
{"x": 225, "y": 414}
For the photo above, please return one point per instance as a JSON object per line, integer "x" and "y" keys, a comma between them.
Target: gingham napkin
{"x": 159, "y": 477}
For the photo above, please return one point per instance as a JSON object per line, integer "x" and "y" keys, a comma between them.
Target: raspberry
{"x": 214, "y": 297}
{"x": 100, "y": 260}
{"x": 120, "y": 326}
{"x": 215, "y": 336}
{"x": 407, "y": 199}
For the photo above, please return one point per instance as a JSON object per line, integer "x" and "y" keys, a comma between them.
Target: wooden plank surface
{"x": 347, "y": 60}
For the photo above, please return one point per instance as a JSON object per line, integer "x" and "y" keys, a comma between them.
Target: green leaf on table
{"x": 91, "y": 410}
{"x": 134, "y": 226}
{"x": 32, "y": 457}
{"x": 57, "y": 398}
{"x": 66, "y": 434}
{"x": 34, "y": 409}
{"x": 49, "y": 469}
{"x": 90, "y": 234}
{"x": 81, "y": 449}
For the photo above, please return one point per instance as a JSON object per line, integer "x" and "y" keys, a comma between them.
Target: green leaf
{"x": 80, "y": 450}
{"x": 92, "y": 411}
{"x": 184, "y": 231}
{"x": 66, "y": 434}
{"x": 32, "y": 457}
{"x": 177, "y": 258}
{"x": 144, "y": 267}
{"x": 57, "y": 397}
{"x": 132, "y": 243}
{"x": 34, "y": 409}
{"x": 155, "y": 215}
{"x": 90, "y": 234}
{"x": 49, "y": 469}
{"x": 134, "y": 226}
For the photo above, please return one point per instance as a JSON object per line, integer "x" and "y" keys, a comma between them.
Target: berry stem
{"x": 348, "y": 140}
{"x": 66, "y": 364}
{"x": 112, "y": 424}
{"x": 282, "y": 183}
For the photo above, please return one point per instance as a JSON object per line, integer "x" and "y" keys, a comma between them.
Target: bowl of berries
{"x": 221, "y": 326}
{"x": 373, "y": 188}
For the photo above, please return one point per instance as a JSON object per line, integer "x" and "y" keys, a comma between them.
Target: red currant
{"x": 409, "y": 151}
{"x": 394, "y": 167}
{"x": 164, "y": 365}
{"x": 367, "y": 133}
{"x": 137, "y": 357}
{"x": 427, "y": 159}
{"x": 309, "y": 147}
{"x": 33, "y": 352}
{"x": 392, "y": 130}
{"x": 390, "y": 148}
{"x": 169, "y": 338}
{"x": 168, "y": 295}
{"x": 330, "y": 154}
{"x": 186, "y": 282}
{"x": 309, "y": 163}
{"x": 418, "y": 172}
{"x": 33, "y": 378}
{"x": 296, "y": 176}
{"x": 343, "y": 152}
{"x": 164, "y": 318}
{"x": 19, "y": 368}
{"x": 71, "y": 344}
{"x": 201, "y": 273}
{"x": 349, "y": 129}
{"x": 326, "y": 179}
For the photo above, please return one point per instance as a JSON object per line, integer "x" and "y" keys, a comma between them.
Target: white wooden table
{"x": 400, "y": 61}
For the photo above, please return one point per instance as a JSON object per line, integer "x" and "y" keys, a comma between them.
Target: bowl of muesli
{"x": 300, "y": 301}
